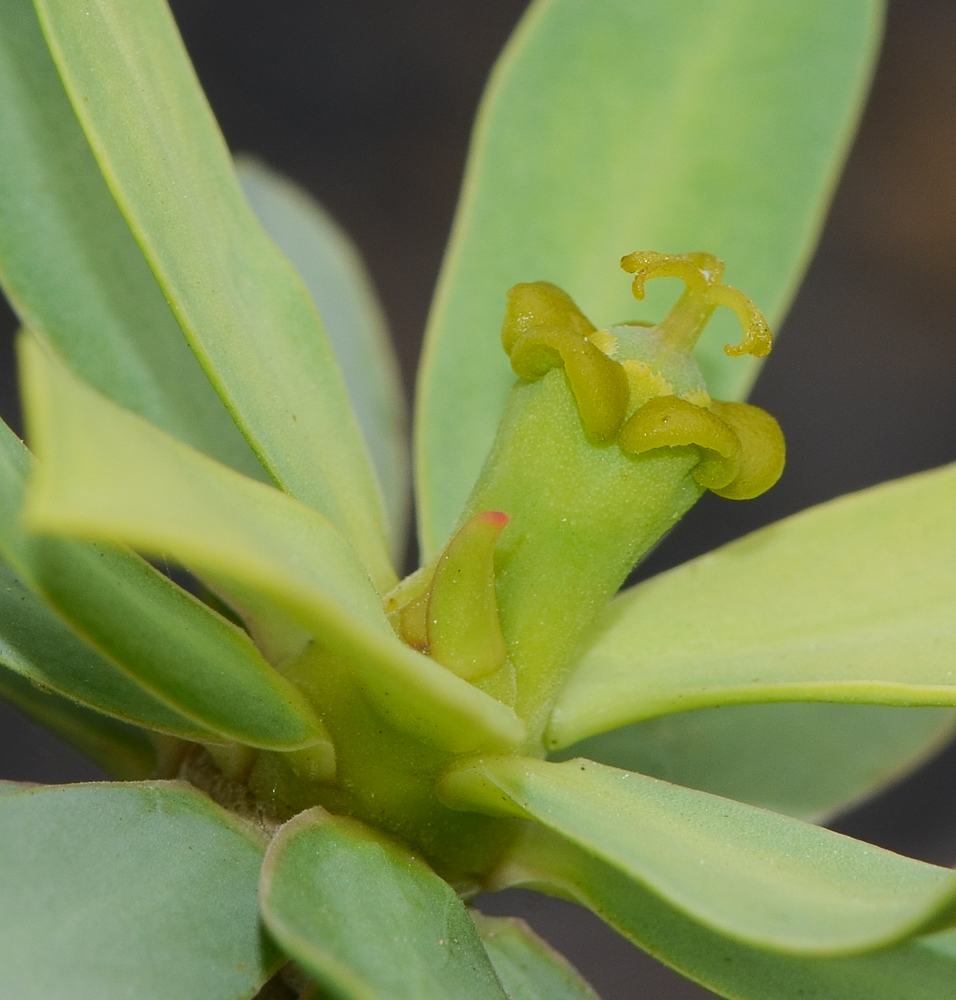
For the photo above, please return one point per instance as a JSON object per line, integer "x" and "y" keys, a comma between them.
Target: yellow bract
{"x": 671, "y": 422}
{"x": 539, "y": 303}
{"x": 762, "y": 453}
{"x": 599, "y": 384}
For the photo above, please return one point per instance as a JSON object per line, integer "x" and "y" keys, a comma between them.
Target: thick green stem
{"x": 383, "y": 778}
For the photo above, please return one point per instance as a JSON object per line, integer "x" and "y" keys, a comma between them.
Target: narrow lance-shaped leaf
{"x": 240, "y": 303}
{"x": 177, "y": 648}
{"x": 208, "y": 669}
{"x": 673, "y": 125}
{"x": 918, "y": 970}
{"x": 804, "y": 759}
{"x": 41, "y": 648}
{"x": 764, "y": 879}
{"x": 368, "y": 918}
{"x": 528, "y": 967}
{"x": 115, "y": 891}
{"x": 122, "y": 750}
{"x": 101, "y": 592}
{"x": 70, "y": 265}
{"x": 333, "y": 271}
{"x": 106, "y": 474}
{"x": 849, "y": 601}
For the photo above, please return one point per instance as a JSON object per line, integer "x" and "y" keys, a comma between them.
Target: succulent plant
{"x": 320, "y": 765}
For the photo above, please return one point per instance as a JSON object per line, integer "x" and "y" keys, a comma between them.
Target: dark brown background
{"x": 369, "y": 104}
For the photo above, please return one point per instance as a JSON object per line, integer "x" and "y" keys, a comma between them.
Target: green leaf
{"x": 42, "y": 649}
{"x": 528, "y": 967}
{"x": 762, "y": 878}
{"x": 12, "y": 787}
{"x": 808, "y": 760}
{"x": 207, "y": 668}
{"x": 244, "y": 310}
{"x": 71, "y": 267}
{"x": 172, "y": 645}
{"x": 123, "y": 751}
{"x": 333, "y": 271}
{"x": 849, "y": 601}
{"x": 618, "y": 126}
{"x": 368, "y": 918}
{"x": 152, "y": 633}
{"x": 118, "y": 891}
{"x": 106, "y": 474}
{"x": 918, "y": 970}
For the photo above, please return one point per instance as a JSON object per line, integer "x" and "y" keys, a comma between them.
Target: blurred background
{"x": 368, "y": 104}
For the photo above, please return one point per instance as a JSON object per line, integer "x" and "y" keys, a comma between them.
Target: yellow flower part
{"x": 672, "y": 422}
{"x": 639, "y": 384}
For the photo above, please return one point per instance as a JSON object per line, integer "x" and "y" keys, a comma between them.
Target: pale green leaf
{"x": 808, "y": 760}
{"x": 12, "y": 787}
{"x": 148, "y": 631}
{"x": 107, "y": 475}
{"x": 854, "y": 600}
{"x": 122, "y": 750}
{"x": 670, "y": 125}
{"x": 368, "y": 918}
{"x": 172, "y": 645}
{"x": 71, "y": 267}
{"x": 38, "y": 646}
{"x": 762, "y": 878}
{"x": 119, "y": 891}
{"x": 243, "y": 309}
{"x": 919, "y": 970}
{"x": 528, "y": 967}
{"x": 333, "y": 271}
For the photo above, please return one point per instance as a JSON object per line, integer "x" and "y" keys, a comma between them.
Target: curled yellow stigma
{"x": 703, "y": 292}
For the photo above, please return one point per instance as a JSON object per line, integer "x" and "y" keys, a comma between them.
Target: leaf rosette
{"x": 320, "y": 763}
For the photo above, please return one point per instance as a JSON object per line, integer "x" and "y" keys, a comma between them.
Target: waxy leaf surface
{"x": 118, "y": 891}
{"x": 333, "y": 271}
{"x": 854, "y": 600}
{"x": 170, "y": 643}
{"x": 244, "y": 310}
{"x": 49, "y": 657}
{"x": 107, "y": 475}
{"x": 151, "y": 636}
{"x": 70, "y": 265}
{"x": 369, "y": 919}
{"x": 528, "y": 967}
{"x": 805, "y": 759}
{"x": 918, "y": 970}
{"x": 12, "y": 787}
{"x": 672, "y": 125}
{"x": 759, "y": 877}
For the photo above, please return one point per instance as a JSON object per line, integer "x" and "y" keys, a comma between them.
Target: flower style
{"x": 321, "y": 764}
